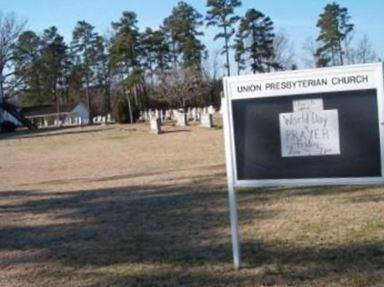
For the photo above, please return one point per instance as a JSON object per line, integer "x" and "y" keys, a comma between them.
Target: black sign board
{"x": 309, "y": 127}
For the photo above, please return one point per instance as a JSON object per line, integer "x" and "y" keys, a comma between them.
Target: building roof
{"x": 41, "y": 110}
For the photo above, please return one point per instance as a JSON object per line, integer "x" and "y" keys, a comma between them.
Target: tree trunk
{"x": 88, "y": 97}
{"x": 227, "y": 50}
{"x": 333, "y": 56}
{"x": 107, "y": 99}
{"x": 254, "y": 43}
{"x": 341, "y": 54}
{"x": 130, "y": 108}
{"x": 174, "y": 54}
{"x": 1, "y": 101}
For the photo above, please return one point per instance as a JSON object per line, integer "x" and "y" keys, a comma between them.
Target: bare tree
{"x": 284, "y": 51}
{"x": 310, "y": 58}
{"x": 363, "y": 52}
{"x": 179, "y": 86}
{"x": 212, "y": 65}
{"x": 10, "y": 29}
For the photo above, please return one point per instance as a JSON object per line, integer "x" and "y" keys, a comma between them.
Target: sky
{"x": 296, "y": 18}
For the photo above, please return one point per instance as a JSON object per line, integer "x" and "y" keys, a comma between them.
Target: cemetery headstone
{"x": 181, "y": 118}
{"x": 211, "y": 110}
{"x": 207, "y": 120}
{"x": 155, "y": 125}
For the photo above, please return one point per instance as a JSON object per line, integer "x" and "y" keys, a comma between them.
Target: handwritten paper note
{"x": 309, "y": 132}
{"x": 308, "y": 105}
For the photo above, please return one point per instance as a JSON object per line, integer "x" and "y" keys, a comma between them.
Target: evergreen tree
{"x": 221, "y": 14}
{"x": 239, "y": 47}
{"x": 161, "y": 49}
{"x": 257, "y": 30}
{"x": 125, "y": 43}
{"x": 334, "y": 30}
{"x": 84, "y": 48}
{"x": 155, "y": 52}
{"x": 103, "y": 72}
{"x": 182, "y": 26}
{"x": 125, "y": 52}
{"x": 55, "y": 61}
{"x": 27, "y": 62}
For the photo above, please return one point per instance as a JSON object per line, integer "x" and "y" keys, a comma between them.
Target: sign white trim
{"x": 375, "y": 76}
{"x": 300, "y": 82}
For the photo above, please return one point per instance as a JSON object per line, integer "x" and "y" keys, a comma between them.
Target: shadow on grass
{"x": 52, "y": 131}
{"x": 164, "y": 132}
{"x": 130, "y": 176}
{"x": 185, "y": 226}
{"x": 267, "y": 193}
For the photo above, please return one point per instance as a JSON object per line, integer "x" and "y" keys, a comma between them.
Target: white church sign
{"x": 305, "y": 127}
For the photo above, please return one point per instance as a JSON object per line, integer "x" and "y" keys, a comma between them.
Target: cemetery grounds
{"x": 118, "y": 206}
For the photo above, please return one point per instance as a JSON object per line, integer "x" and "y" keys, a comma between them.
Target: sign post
{"x": 303, "y": 128}
{"x": 231, "y": 185}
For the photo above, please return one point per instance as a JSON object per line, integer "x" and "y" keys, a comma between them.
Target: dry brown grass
{"x": 117, "y": 206}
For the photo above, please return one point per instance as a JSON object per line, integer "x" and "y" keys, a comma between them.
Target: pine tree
{"x": 27, "y": 63}
{"x": 182, "y": 26}
{"x": 55, "y": 61}
{"x": 221, "y": 14}
{"x": 84, "y": 48}
{"x": 258, "y": 33}
{"x": 334, "y": 30}
{"x": 239, "y": 47}
{"x": 102, "y": 71}
{"x": 125, "y": 43}
{"x": 125, "y": 52}
{"x": 154, "y": 52}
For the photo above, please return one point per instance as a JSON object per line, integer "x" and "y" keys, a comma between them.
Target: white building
{"x": 47, "y": 115}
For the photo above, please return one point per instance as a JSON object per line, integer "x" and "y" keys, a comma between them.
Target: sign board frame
{"x": 279, "y": 84}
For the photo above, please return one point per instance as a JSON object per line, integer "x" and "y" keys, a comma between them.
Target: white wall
{"x": 81, "y": 110}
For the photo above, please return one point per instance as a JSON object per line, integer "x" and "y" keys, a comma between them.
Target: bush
{"x": 121, "y": 111}
{"x": 8, "y": 127}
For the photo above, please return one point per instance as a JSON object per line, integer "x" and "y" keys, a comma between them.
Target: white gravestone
{"x": 168, "y": 115}
{"x": 152, "y": 115}
{"x": 142, "y": 117}
{"x": 211, "y": 110}
{"x": 174, "y": 114}
{"x": 199, "y": 113}
{"x": 157, "y": 114}
{"x": 194, "y": 114}
{"x": 155, "y": 125}
{"x": 309, "y": 130}
{"x": 207, "y": 120}
{"x": 181, "y": 119}
{"x": 189, "y": 114}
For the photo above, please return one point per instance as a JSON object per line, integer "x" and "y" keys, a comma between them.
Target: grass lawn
{"x": 118, "y": 206}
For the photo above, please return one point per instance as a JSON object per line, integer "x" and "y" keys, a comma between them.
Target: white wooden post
{"x": 231, "y": 184}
